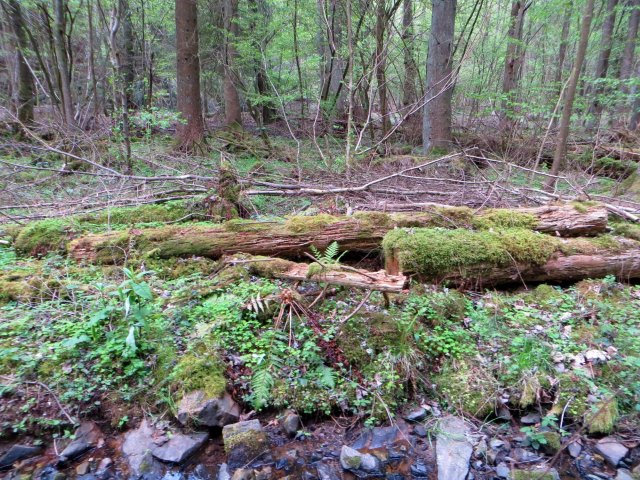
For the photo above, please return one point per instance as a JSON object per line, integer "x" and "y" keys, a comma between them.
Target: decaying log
{"x": 292, "y": 237}
{"x": 332, "y": 274}
{"x": 482, "y": 259}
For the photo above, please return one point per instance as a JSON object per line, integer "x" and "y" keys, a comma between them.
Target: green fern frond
{"x": 326, "y": 376}
{"x": 261, "y": 384}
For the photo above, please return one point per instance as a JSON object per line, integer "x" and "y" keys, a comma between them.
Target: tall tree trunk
{"x": 562, "y": 52}
{"x": 628, "y": 57}
{"x": 26, "y": 89}
{"x": 92, "y": 63}
{"x": 127, "y": 61}
{"x": 381, "y": 65}
{"x": 191, "y": 133}
{"x": 59, "y": 34}
{"x": 563, "y": 134}
{"x": 232, "y": 109}
{"x": 436, "y": 125}
{"x": 513, "y": 59}
{"x": 409, "y": 93}
{"x": 606, "y": 42}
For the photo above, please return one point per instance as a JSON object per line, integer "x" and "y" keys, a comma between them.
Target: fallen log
{"x": 292, "y": 237}
{"x": 335, "y": 274}
{"x": 489, "y": 258}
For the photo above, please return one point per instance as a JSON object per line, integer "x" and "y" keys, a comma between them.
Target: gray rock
{"x": 420, "y": 469}
{"x": 574, "y": 449}
{"x": 211, "y": 412}
{"x": 326, "y": 472}
{"x": 136, "y": 449}
{"x": 87, "y": 436}
{"x": 200, "y": 472}
{"x": 503, "y": 471}
{"x": 530, "y": 419}
{"x": 416, "y": 415}
{"x": 612, "y": 450}
{"x": 223, "y": 473}
{"x": 420, "y": 431}
{"x": 243, "y": 474}
{"x": 17, "y": 453}
{"x": 523, "y": 455}
{"x": 624, "y": 474}
{"x": 453, "y": 449}
{"x": 290, "y": 423}
{"x": 179, "y": 447}
{"x": 496, "y": 444}
{"x": 354, "y": 461}
{"x": 244, "y": 442}
{"x": 173, "y": 476}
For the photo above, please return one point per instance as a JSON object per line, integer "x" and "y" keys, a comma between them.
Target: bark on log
{"x": 561, "y": 260}
{"x": 332, "y": 274}
{"x": 362, "y": 231}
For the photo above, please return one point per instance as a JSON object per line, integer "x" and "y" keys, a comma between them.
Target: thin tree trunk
{"x": 409, "y": 94}
{"x": 190, "y": 134}
{"x": 513, "y": 59}
{"x": 127, "y": 64}
{"x": 628, "y": 57}
{"x": 232, "y": 109}
{"x": 563, "y": 134}
{"x": 562, "y": 53}
{"x": 296, "y": 50}
{"x": 381, "y": 65}
{"x": 92, "y": 64}
{"x": 602, "y": 67}
{"x": 59, "y": 32}
{"x": 26, "y": 89}
{"x": 436, "y": 127}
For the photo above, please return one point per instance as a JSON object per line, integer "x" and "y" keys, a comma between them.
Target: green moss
{"x": 544, "y": 293}
{"x": 302, "y": 224}
{"x": 553, "y": 442}
{"x": 530, "y": 388}
{"x": 367, "y": 335}
{"x": 200, "y": 372}
{"x": 602, "y": 416}
{"x": 504, "y": 218}
{"x": 373, "y": 220}
{"x": 242, "y": 225}
{"x": 40, "y": 238}
{"x": 468, "y": 386}
{"x": 162, "y": 212}
{"x": 627, "y": 230}
{"x": 433, "y": 252}
{"x": 571, "y": 395}
{"x": 532, "y": 475}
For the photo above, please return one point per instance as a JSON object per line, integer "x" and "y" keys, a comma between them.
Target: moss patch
{"x": 503, "y": 218}
{"x": 200, "y": 372}
{"x": 39, "y": 238}
{"x": 602, "y": 416}
{"x": 302, "y": 224}
{"x": 434, "y": 252}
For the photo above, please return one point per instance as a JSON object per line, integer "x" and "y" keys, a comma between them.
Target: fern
{"x": 261, "y": 384}
{"x": 330, "y": 255}
{"x": 326, "y": 376}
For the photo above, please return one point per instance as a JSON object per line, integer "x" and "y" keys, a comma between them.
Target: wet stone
{"x": 574, "y": 449}
{"x": 326, "y": 472}
{"x": 420, "y": 470}
{"x": 360, "y": 464}
{"x": 290, "y": 423}
{"x": 416, "y": 415}
{"x": 420, "y": 431}
{"x": 453, "y": 450}
{"x": 502, "y": 470}
{"x": 210, "y": 412}
{"x": 244, "y": 442}
{"x": 179, "y": 447}
{"x": 530, "y": 419}
{"x": 612, "y": 450}
{"x": 17, "y": 453}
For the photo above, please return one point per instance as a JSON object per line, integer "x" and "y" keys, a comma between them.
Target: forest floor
{"x": 535, "y": 370}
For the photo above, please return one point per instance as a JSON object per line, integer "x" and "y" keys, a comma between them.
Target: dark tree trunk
{"x": 436, "y": 127}
{"x": 513, "y": 59}
{"x": 232, "y": 109}
{"x": 628, "y": 57}
{"x": 191, "y": 133}
{"x": 127, "y": 70}
{"x": 409, "y": 93}
{"x": 59, "y": 35}
{"x": 381, "y": 65}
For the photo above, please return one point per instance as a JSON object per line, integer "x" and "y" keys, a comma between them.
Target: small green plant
{"x": 329, "y": 256}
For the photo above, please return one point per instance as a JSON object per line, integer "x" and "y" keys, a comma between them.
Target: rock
{"x": 17, "y": 453}
{"x": 420, "y": 469}
{"x": 574, "y": 449}
{"x": 210, "y": 412}
{"x": 420, "y": 431}
{"x": 223, "y": 473}
{"x": 173, "y": 476}
{"x": 624, "y": 474}
{"x": 179, "y": 447}
{"x": 612, "y": 450}
{"x": 530, "y": 419}
{"x": 496, "y": 443}
{"x": 83, "y": 468}
{"x": 542, "y": 473}
{"x": 265, "y": 473}
{"x": 290, "y": 423}
{"x": 416, "y": 415}
{"x": 502, "y": 470}
{"x": 453, "y": 449}
{"x": 553, "y": 442}
{"x": 136, "y": 449}
{"x": 326, "y": 472}
{"x": 242, "y": 474}
{"x": 50, "y": 473}
{"x": 200, "y": 472}
{"x": 595, "y": 356}
{"x": 354, "y": 461}
{"x": 524, "y": 456}
{"x": 244, "y": 442}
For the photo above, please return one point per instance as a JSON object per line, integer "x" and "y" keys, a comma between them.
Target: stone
{"x": 522, "y": 455}
{"x": 173, "y": 476}
{"x": 530, "y": 419}
{"x": 574, "y": 449}
{"x": 210, "y": 412}
{"x": 502, "y": 470}
{"x": 83, "y": 468}
{"x": 595, "y": 356}
{"x": 354, "y": 461}
{"x": 179, "y": 447}
{"x": 17, "y": 453}
{"x": 265, "y": 473}
{"x": 136, "y": 449}
{"x": 542, "y": 473}
{"x": 290, "y": 423}
{"x": 244, "y": 442}
{"x": 416, "y": 415}
{"x": 87, "y": 436}
{"x": 419, "y": 469}
{"x": 50, "y": 473}
{"x": 243, "y": 474}
{"x": 200, "y": 472}
{"x": 496, "y": 443}
{"x": 223, "y": 473}
{"x": 612, "y": 450}
{"x": 624, "y": 474}
{"x": 453, "y": 449}
{"x": 326, "y": 472}
{"x": 420, "y": 431}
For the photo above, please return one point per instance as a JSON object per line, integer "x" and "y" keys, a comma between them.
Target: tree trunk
{"x": 361, "y": 232}
{"x": 628, "y": 57}
{"x": 562, "y": 53}
{"x": 381, "y": 65}
{"x": 127, "y": 59}
{"x": 26, "y": 90}
{"x": 191, "y": 133}
{"x": 59, "y": 34}
{"x": 91, "y": 61}
{"x": 563, "y": 134}
{"x": 436, "y": 127}
{"x": 232, "y": 109}
{"x": 606, "y": 42}
{"x": 409, "y": 93}
{"x": 513, "y": 59}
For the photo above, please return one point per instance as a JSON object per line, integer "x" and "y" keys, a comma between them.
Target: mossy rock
{"x": 571, "y": 395}
{"x": 553, "y": 443}
{"x": 541, "y": 474}
{"x": 530, "y": 388}
{"x": 601, "y": 417}
{"x": 202, "y": 371}
{"x": 434, "y": 252}
{"x": 39, "y": 238}
{"x": 469, "y": 386}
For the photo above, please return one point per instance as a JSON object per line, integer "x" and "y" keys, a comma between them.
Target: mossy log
{"x": 507, "y": 256}
{"x": 335, "y": 274}
{"x": 292, "y": 237}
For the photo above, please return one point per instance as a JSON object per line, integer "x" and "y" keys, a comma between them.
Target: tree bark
{"x": 127, "y": 59}
{"x": 191, "y": 133}
{"x": 381, "y": 65}
{"x": 409, "y": 93}
{"x": 563, "y": 134}
{"x": 602, "y": 67}
{"x": 513, "y": 59}
{"x": 361, "y": 232}
{"x": 436, "y": 126}
{"x": 628, "y": 57}
{"x": 59, "y": 34}
{"x": 232, "y": 109}
{"x": 26, "y": 89}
